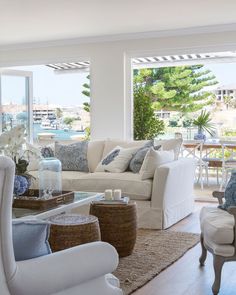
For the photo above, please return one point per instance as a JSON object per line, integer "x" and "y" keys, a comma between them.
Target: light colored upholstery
{"x": 219, "y": 249}
{"x": 162, "y": 201}
{"x": 95, "y": 153}
{"x": 111, "y": 144}
{"x": 217, "y": 225}
{"x": 172, "y": 192}
{"x": 130, "y": 184}
{"x": 76, "y": 271}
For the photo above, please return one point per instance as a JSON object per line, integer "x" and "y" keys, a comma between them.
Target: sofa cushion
{"x": 130, "y": 183}
{"x": 153, "y": 160}
{"x": 111, "y": 144}
{"x": 170, "y": 144}
{"x": 73, "y": 156}
{"x": 117, "y": 160}
{"x": 69, "y": 179}
{"x": 94, "y": 154}
{"x": 217, "y": 225}
{"x": 137, "y": 160}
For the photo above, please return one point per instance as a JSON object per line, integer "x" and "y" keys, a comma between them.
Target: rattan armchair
{"x": 218, "y": 234}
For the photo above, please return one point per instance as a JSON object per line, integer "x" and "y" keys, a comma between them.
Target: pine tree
{"x": 177, "y": 88}
{"x": 86, "y": 92}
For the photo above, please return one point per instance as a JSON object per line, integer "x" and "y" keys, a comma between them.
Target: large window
{"x": 16, "y": 100}
{"x": 56, "y": 109}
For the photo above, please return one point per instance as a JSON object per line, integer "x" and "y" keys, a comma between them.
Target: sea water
{"x": 60, "y": 134}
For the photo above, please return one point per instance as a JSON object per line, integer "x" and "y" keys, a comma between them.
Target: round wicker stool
{"x": 69, "y": 230}
{"x": 118, "y": 225}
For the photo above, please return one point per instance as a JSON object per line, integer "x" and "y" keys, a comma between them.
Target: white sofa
{"x": 162, "y": 201}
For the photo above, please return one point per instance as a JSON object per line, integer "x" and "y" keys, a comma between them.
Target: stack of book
{"x": 123, "y": 200}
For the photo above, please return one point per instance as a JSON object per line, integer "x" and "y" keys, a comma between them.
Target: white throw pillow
{"x": 117, "y": 160}
{"x": 154, "y": 159}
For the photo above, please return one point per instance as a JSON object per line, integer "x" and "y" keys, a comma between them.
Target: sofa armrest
{"x": 61, "y": 270}
{"x": 173, "y": 182}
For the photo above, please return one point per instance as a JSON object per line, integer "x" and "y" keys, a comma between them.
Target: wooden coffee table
{"x": 118, "y": 225}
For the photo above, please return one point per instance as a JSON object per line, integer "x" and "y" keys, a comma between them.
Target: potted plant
{"x": 204, "y": 124}
{"x": 13, "y": 144}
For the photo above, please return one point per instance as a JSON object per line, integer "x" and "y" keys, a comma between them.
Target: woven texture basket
{"x": 118, "y": 225}
{"x": 69, "y": 230}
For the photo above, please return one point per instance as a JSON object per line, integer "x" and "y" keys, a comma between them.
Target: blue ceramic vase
{"x": 21, "y": 184}
{"x": 200, "y": 135}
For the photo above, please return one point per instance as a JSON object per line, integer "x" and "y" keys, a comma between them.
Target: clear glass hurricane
{"x": 49, "y": 178}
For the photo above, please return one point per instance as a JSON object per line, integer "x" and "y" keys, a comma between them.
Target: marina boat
{"x": 46, "y": 124}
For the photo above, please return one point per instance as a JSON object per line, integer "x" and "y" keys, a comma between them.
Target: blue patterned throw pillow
{"x": 230, "y": 193}
{"x": 110, "y": 157}
{"x": 73, "y": 156}
{"x": 137, "y": 160}
{"x": 117, "y": 160}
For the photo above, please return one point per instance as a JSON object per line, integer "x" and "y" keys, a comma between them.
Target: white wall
{"x": 111, "y": 110}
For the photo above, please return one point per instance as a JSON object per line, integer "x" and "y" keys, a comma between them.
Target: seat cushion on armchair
{"x": 220, "y": 249}
{"x": 217, "y": 225}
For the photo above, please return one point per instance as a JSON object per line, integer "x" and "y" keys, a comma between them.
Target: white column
{"x": 109, "y": 107}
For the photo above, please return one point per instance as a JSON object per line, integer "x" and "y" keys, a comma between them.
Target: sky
{"x": 225, "y": 73}
{"x": 65, "y": 89}
{"x": 48, "y": 87}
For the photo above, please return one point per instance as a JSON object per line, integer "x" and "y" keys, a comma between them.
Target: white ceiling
{"x": 26, "y": 21}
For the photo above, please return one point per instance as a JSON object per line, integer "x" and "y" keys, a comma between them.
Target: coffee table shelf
{"x": 80, "y": 199}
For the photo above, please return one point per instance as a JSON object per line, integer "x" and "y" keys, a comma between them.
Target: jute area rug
{"x": 154, "y": 251}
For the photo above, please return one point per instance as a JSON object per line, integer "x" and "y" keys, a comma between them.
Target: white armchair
{"x": 76, "y": 271}
{"x": 218, "y": 234}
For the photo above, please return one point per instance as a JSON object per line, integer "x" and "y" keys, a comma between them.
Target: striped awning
{"x": 155, "y": 61}
{"x": 70, "y": 66}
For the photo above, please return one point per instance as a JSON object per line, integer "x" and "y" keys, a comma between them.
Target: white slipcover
{"x": 76, "y": 271}
{"x": 162, "y": 201}
{"x": 217, "y": 225}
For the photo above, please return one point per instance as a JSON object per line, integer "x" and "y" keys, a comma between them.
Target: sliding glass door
{"x": 16, "y": 100}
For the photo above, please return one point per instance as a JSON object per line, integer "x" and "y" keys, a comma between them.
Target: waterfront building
{"x": 225, "y": 91}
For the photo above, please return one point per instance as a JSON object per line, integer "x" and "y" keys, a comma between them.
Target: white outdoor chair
{"x": 76, "y": 271}
{"x": 194, "y": 149}
{"x": 214, "y": 162}
{"x": 228, "y": 162}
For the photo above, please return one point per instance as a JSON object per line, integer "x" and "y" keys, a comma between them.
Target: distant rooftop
{"x": 226, "y": 87}
{"x": 155, "y": 61}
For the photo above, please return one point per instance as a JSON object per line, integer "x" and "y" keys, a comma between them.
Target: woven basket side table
{"x": 69, "y": 230}
{"x": 118, "y": 225}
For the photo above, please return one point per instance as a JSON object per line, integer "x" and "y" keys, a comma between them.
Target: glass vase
{"x": 49, "y": 178}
